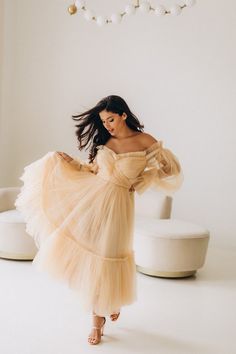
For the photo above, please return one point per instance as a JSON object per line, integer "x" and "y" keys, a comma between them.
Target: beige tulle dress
{"x": 81, "y": 216}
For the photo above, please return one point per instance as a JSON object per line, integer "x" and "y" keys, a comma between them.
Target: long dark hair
{"x": 90, "y": 130}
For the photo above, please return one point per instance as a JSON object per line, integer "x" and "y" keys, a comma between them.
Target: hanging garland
{"x": 130, "y": 9}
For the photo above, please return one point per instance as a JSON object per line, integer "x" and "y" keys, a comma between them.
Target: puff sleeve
{"x": 163, "y": 171}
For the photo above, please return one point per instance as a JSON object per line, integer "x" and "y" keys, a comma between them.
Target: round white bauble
{"x": 115, "y": 18}
{"x": 144, "y": 6}
{"x": 130, "y": 9}
{"x": 160, "y": 10}
{"x": 190, "y": 2}
{"x": 101, "y": 20}
{"x": 175, "y": 10}
{"x": 79, "y": 4}
{"x": 88, "y": 14}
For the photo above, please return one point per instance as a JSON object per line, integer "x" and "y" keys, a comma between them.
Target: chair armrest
{"x": 7, "y": 197}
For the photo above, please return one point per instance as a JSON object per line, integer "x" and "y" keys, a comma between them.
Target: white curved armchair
{"x": 163, "y": 246}
{"x": 15, "y": 243}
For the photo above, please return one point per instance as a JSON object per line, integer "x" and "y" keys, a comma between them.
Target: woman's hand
{"x": 65, "y": 156}
{"x": 165, "y": 166}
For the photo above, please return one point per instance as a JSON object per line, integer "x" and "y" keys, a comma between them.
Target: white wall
{"x": 176, "y": 73}
{"x": 1, "y": 76}
{"x": 9, "y": 91}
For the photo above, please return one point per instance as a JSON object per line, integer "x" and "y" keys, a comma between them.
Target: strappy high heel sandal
{"x": 98, "y": 340}
{"x": 114, "y": 316}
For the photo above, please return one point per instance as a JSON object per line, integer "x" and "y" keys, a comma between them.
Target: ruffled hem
{"x": 103, "y": 284}
{"x": 29, "y": 200}
{"x": 39, "y": 184}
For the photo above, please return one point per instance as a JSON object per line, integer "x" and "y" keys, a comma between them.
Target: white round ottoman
{"x": 15, "y": 243}
{"x": 169, "y": 248}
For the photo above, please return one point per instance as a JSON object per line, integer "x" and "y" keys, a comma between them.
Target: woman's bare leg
{"x": 97, "y": 330}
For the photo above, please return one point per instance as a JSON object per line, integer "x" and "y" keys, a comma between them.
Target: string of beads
{"x": 130, "y": 9}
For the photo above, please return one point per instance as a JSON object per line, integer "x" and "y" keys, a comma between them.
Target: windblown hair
{"x": 90, "y": 130}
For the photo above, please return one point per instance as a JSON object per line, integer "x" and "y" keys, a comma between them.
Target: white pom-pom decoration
{"x": 175, "y": 10}
{"x": 130, "y": 9}
{"x": 190, "y": 2}
{"x": 144, "y": 6}
{"x": 101, "y": 20}
{"x": 88, "y": 14}
{"x": 79, "y": 4}
{"x": 160, "y": 10}
{"x": 115, "y": 18}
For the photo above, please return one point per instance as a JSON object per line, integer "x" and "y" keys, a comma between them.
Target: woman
{"x": 81, "y": 214}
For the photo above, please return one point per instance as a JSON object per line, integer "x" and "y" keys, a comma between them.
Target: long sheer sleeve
{"x": 163, "y": 171}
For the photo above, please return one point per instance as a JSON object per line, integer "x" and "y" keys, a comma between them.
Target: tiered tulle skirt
{"x": 83, "y": 228}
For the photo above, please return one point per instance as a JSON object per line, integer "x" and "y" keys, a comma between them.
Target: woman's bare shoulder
{"x": 147, "y": 139}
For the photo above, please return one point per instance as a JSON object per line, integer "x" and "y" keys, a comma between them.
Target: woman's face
{"x": 113, "y": 122}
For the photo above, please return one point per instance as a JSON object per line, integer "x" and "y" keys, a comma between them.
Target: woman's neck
{"x": 125, "y": 134}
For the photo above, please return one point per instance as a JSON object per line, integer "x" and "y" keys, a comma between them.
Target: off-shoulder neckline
{"x": 142, "y": 152}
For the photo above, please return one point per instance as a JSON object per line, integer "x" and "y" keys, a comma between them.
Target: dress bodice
{"x": 123, "y": 168}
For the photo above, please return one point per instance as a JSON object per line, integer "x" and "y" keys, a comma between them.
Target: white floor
{"x": 195, "y": 315}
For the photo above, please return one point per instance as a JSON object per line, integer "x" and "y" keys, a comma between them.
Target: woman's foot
{"x": 97, "y": 329}
{"x": 114, "y": 316}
